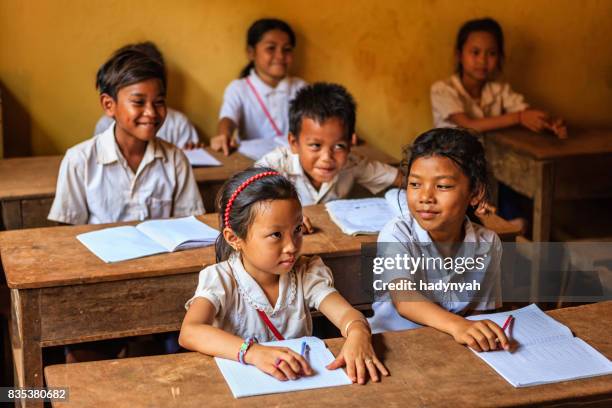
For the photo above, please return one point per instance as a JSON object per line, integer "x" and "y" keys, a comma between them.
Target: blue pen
{"x": 305, "y": 349}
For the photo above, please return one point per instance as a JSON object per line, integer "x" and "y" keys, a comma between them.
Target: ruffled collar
{"x": 254, "y": 295}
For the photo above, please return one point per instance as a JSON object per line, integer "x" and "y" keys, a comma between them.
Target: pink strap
{"x": 263, "y": 106}
{"x": 268, "y": 323}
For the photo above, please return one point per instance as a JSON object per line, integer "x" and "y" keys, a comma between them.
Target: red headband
{"x": 241, "y": 187}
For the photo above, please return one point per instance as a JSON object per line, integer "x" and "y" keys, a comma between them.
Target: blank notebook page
{"x": 248, "y": 380}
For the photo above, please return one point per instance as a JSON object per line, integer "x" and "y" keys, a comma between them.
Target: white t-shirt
{"x": 236, "y": 297}
{"x": 409, "y": 237}
{"x": 95, "y": 184}
{"x": 176, "y": 128}
{"x": 449, "y": 97}
{"x": 240, "y": 104}
{"x": 373, "y": 175}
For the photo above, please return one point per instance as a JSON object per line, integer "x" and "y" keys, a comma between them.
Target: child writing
{"x": 257, "y": 102}
{"x": 176, "y": 128}
{"x": 447, "y": 178}
{"x": 126, "y": 173}
{"x": 318, "y": 160}
{"x": 262, "y": 290}
{"x": 472, "y": 98}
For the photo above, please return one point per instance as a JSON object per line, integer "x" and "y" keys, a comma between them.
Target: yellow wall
{"x": 386, "y": 52}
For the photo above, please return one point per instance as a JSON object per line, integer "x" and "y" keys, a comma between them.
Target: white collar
{"x": 265, "y": 89}
{"x": 486, "y": 95}
{"x": 108, "y": 150}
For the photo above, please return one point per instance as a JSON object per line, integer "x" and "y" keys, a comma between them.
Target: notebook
{"x": 367, "y": 216}
{"x": 255, "y": 149}
{"x": 547, "y": 353}
{"x": 148, "y": 238}
{"x": 201, "y": 158}
{"x": 248, "y": 380}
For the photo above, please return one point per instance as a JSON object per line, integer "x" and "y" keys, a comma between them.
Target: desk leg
{"x": 11, "y": 214}
{"x": 25, "y": 341}
{"x": 542, "y": 215}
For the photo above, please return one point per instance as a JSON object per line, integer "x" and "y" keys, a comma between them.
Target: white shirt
{"x": 373, "y": 175}
{"x": 95, "y": 184}
{"x": 236, "y": 297}
{"x": 176, "y": 128}
{"x": 404, "y": 235}
{"x": 449, "y": 97}
{"x": 241, "y": 106}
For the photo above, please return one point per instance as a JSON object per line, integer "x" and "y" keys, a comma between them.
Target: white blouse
{"x": 237, "y": 297}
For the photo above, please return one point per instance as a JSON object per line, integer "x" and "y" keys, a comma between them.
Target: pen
{"x": 507, "y": 322}
{"x": 305, "y": 349}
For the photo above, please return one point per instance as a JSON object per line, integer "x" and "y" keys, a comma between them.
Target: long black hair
{"x": 487, "y": 25}
{"x": 462, "y": 147}
{"x": 242, "y": 214}
{"x": 256, "y": 32}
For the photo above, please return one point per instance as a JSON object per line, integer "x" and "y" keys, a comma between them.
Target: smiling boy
{"x": 318, "y": 160}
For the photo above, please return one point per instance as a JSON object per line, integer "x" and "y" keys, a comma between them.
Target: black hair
{"x": 322, "y": 101}
{"x": 242, "y": 213}
{"x": 459, "y": 145}
{"x": 487, "y": 25}
{"x": 256, "y": 32}
{"x": 131, "y": 64}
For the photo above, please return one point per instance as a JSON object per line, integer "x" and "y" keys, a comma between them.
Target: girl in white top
{"x": 261, "y": 289}
{"x": 472, "y": 98}
{"x": 446, "y": 177}
{"x": 257, "y": 104}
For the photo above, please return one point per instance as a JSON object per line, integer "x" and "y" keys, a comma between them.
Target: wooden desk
{"x": 422, "y": 375}
{"x": 61, "y": 293}
{"x": 545, "y": 169}
{"x": 27, "y": 186}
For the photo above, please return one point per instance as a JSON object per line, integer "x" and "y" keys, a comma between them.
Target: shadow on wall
{"x": 16, "y": 126}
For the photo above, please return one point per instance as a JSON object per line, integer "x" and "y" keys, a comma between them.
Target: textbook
{"x": 367, "y": 216}
{"x": 201, "y": 158}
{"x": 148, "y": 238}
{"x": 248, "y": 380}
{"x": 547, "y": 351}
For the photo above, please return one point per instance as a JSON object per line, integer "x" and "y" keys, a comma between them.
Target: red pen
{"x": 507, "y": 322}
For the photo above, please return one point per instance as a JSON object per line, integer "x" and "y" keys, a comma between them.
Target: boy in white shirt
{"x": 318, "y": 160}
{"x": 126, "y": 173}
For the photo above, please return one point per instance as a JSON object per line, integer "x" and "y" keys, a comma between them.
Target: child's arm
{"x": 479, "y": 335}
{"x": 198, "y": 334}
{"x": 532, "y": 119}
{"x": 224, "y": 140}
{"x": 357, "y": 352}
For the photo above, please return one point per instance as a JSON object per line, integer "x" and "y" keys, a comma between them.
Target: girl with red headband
{"x": 262, "y": 290}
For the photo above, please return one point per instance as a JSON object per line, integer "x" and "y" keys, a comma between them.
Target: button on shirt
{"x": 237, "y": 297}
{"x": 373, "y": 175}
{"x": 241, "y": 106}
{"x": 408, "y": 237}
{"x": 95, "y": 184}
{"x": 449, "y": 97}
{"x": 176, "y": 128}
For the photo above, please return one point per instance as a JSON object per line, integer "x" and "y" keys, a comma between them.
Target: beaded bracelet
{"x": 248, "y": 342}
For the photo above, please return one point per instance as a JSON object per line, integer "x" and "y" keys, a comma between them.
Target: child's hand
{"x": 307, "y": 227}
{"x": 223, "y": 143}
{"x": 480, "y": 335}
{"x": 557, "y": 126}
{"x": 281, "y": 363}
{"x": 534, "y": 120}
{"x": 358, "y": 355}
{"x": 485, "y": 208}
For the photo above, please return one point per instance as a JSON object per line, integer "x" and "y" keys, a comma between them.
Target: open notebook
{"x": 547, "y": 351}
{"x": 248, "y": 380}
{"x": 148, "y": 238}
{"x": 367, "y": 216}
{"x": 255, "y": 149}
{"x": 201, "y": 158}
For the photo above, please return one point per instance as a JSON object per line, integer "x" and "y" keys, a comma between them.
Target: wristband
{"x": 248, "y": 342}
{"x": 350, "y": 323}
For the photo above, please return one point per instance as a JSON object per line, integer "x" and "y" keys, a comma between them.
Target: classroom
{"x": 298, "y": 203}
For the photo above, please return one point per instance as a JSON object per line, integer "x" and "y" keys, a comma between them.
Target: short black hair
{"x": 131, "y": 64}
{"x": 322, "y": 101}
{"x": 487, "y": 25}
